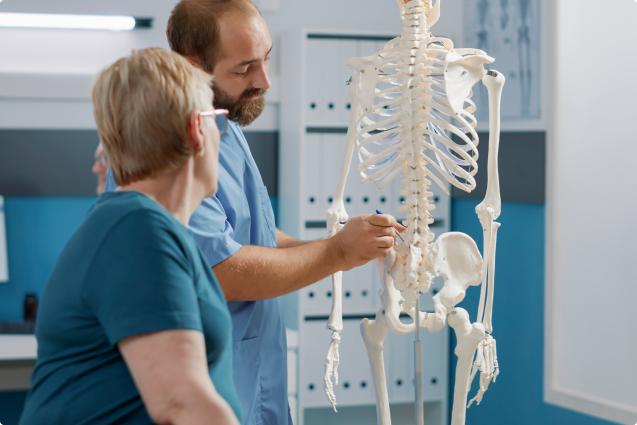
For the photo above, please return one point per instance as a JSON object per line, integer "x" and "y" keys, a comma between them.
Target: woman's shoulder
{"x": 131, "y": 217}
{"x": 113, "y": 208}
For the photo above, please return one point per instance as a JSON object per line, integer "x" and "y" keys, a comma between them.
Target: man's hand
{"x": 258, "y": 273}
{"x": 366, "y": 238}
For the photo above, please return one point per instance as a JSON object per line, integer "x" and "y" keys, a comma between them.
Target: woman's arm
{"x": 171, "y": 372}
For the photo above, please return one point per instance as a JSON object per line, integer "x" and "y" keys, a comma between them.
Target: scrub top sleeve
{"x": 141, "y": 280}
{"x": 213, "y": 232}
{"x": 110, "y": 186}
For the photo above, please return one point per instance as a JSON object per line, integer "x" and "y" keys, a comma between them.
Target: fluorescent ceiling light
{"x": 83, "y": 22}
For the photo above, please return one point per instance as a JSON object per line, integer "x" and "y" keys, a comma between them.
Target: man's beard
{"x": 241, "y": 112}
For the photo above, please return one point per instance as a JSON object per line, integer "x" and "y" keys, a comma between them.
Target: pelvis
{"x": 455, "y": 257}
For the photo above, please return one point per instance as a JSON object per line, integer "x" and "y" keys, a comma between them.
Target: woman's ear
{"x": 196, "y": 134}
{"x": 194, "y": 62}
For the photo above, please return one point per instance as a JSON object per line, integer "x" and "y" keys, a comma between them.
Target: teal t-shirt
{"x": 130, "y": 268}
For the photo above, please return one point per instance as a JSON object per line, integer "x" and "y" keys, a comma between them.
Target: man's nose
{"x": 261, "y": 80}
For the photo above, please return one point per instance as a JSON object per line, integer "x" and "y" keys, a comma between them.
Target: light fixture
{"x": 80, "y": 22}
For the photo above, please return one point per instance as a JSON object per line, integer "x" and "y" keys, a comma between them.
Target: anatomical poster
{"x": 509, "y": 31}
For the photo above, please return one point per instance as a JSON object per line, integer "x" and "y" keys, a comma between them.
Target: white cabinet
{"x": 315, "y": 111}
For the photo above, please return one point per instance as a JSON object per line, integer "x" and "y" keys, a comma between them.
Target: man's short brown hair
{"x": 193, "y": 28}
{"x": 142, "y": 106}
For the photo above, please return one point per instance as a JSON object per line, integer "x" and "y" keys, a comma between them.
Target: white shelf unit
{"x": 314, "y": 118}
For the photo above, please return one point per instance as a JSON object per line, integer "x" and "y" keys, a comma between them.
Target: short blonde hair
{"x": 142, "y": 106}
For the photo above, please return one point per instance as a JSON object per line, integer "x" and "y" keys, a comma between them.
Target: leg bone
{"x": 374, "y": 332}
{"x": 468, "y": 336}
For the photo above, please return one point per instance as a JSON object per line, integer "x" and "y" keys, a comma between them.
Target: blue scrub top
{"x": 241, "y": 214}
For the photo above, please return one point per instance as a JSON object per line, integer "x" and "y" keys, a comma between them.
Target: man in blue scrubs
{"x": 255, "y": 262}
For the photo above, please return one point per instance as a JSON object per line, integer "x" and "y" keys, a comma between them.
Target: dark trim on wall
{"x": 521, "y": 166}
{"x": 337, "y": 130}
{"x": 351, "y": 37}
{"x": 47, "y": 162}
{"x": 58, "y": 162}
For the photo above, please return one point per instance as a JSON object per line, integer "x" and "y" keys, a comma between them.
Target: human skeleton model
{"x": 402, "y": 99}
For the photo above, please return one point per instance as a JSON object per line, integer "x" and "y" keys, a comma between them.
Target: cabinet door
{"x": 314, "y": 80}
{"x": 355, "y": 378}
{"x": 331, "y": 68}
{"x": 347, "y": 50}
{"x": 400, "y": 365}
{"x": 358, "y": 289}
{"x": 333, "y": 148}
{"x": 313, "y": 191}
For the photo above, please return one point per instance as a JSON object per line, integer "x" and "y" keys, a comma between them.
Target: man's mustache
{"x": 251, "y": 93}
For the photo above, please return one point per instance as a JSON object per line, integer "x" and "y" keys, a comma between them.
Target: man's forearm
{"x": 258, "y": 273}
{"x": 284, "y": 240}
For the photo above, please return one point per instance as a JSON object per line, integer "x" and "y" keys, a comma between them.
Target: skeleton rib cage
{"x": 403, "y": 100}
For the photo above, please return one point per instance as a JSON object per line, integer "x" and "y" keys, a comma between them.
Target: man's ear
{"x": 195, "y": 133}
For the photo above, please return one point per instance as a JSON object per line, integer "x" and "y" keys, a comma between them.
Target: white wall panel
{"x": 591, "y": 338}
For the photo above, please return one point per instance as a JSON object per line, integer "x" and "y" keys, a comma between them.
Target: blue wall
{"x": 37, "y": 230}
{"x": 518, "y": 320}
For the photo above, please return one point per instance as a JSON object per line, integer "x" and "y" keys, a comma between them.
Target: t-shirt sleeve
{"x": 212, "y": 231}
{"x": 141, "y": 279}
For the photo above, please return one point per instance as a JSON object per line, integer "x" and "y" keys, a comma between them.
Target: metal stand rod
{"x": 420, "y": 414}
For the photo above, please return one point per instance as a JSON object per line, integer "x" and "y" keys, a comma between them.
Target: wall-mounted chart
{"x": 4, "y": 263}
{"x": 508, "y": 30}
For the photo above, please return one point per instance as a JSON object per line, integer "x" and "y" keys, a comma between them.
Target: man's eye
{"x": 242, "y": 73}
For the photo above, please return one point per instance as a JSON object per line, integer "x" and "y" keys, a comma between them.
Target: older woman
{"x": 133, "y": 327}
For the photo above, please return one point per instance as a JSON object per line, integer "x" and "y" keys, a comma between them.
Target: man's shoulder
{"x": 234, "y": 139}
